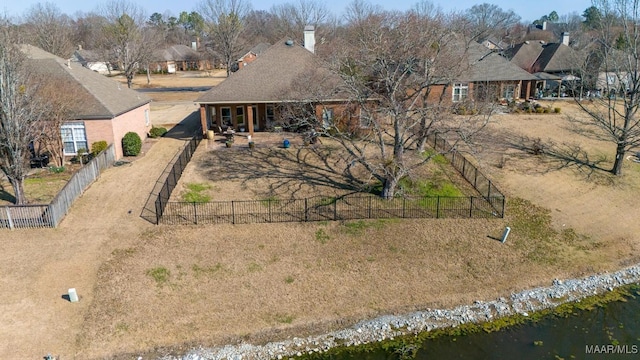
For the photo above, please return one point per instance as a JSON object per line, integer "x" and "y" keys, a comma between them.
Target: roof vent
{"x": 289, "y": 42}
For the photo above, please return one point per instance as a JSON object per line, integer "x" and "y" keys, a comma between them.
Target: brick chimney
{"x": 309, "y": 38}
{"x": 565, "y": 38}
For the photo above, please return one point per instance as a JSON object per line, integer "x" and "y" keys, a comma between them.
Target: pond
{"x": 611, "y": 331}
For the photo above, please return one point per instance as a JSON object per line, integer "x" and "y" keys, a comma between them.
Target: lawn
{"x": 162, "y": 290}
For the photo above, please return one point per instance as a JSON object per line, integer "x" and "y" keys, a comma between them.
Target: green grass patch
{"x": 254, "y": 267}
{"x": 284, "y": 318}
{"x": 322, "y": 236}
{"x": 359, "y": 227}
{"x": 289, "y": 279}
{"x": 429, "y": 188}
{"x": 160, "y": 275}
{"x": 195, "y": 194}
{"x": 271, "y": 200}
{"x": 199, "y": 271}
{"x": 436, "y": 158}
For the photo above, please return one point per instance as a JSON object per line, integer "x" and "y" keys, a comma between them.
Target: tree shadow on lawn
{"x": 556, "y": 156}
{"x": 288, "y": 171}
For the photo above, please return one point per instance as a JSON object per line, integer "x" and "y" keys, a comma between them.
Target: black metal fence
{"x": 171, "y": 176}
{"x": 329, "y": 208}
{"x": 490, "y": 202}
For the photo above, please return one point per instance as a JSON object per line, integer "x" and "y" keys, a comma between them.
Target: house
{"x": 92, "y": 60}
{"x": 251, "y": 55}
{"x": 552, "y": 63}
{"x": 107, "y": 111}
{"x": 177, "y": 58}
{"x": 487, "y": 77}
{"x": 254, "y": 99}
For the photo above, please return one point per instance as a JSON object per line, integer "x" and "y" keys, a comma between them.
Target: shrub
{"x": 98, "y": 147}
{"x": 156, "y": 132}
{"x": 131, "y": 144}
{"x": 556, "y": 110}
{"x": 547, "y": 110}
{"x": 539, "y": 110}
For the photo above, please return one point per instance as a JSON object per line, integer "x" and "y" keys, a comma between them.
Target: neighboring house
{"x": 251, "y": 55}
{"x": 91, "y": 60}
{"x": 108, "y": 109}
{"x": 285, "y": 73}
{"x": 493, "y": 43}
{"x": 177, "y": 58}
{"x": 552, "y": 63}
{"x": 488, "y": 77}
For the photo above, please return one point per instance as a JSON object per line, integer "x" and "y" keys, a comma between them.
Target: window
{"x": 73, "y": 138}
{"x": 270, "y": 113}
{"x": 327, "y": 117}
{"x": 460, "y": 91}
{"x": 508, "y": 91}
{"x": 240, "y": 115}
{"x": 225, "y": 115}
{"x": 147, "y": 121}
{"x": 611, "y": 79}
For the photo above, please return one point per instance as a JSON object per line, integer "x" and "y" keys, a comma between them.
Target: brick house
{"x": 285, "y": 73}
{"x": 487, "y": 77}
{"x": 107, "y": 109}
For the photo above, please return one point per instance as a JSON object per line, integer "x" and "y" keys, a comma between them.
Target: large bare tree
{"x": 225, "y": 22}
{"x": 20, "y": 110}
{"x": 49, "y": 29}
{"x": 292, "y": 17}
{"x": 126, "y": 37}
{"x": 395, "y": 68}
{"x": 614, "y": 64}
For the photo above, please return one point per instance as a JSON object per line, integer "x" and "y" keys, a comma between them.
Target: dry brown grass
{"x": 146, "y": 287}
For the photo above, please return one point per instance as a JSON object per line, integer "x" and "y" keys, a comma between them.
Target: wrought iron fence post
{"x": 335, "y": 209}
{"x": 195, "y": 213}
{"x": 404, "y": 203}
{"x": 306, "y": 210}
{"x": 370, "y": 199}
{"x": 438, "y": 207}
{"x": 489, "y": 191}
{"x": 470, "y": 206}
{"x": 233, "y": 212}
{"x": 269, "y": 202}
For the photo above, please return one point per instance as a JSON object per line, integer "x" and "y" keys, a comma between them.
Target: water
{"x": 584, "y": 335}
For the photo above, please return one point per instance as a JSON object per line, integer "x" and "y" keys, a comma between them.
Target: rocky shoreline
{"x": 390, "y": 326}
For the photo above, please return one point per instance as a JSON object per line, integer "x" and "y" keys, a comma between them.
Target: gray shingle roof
{"x": 488, "y": 65}
{"x": 537, "y": 56}
{"x": 102, "y": 97}
{"x": 279, "y": 74}
{"x": 176, "y": 53}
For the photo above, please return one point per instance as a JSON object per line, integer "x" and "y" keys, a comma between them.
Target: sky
{"x": 528, "y": 10}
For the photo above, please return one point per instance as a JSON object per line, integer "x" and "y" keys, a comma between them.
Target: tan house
{"x": 178, "y": 58}
{"x": 107, "y": 111}
{"x": 285, "y": 73}
{"x": 251, "y": 55}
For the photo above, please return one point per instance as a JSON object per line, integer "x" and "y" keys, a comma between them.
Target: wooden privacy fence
{"x": 44, "y": 216}
{"x": 329, "y": 208}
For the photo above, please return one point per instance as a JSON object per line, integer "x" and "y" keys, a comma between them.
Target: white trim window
{"x": 271, "y": 113}
{"x": 240, "y": 115}
{"x": 74, "y": 138}
{"x": 460, "y": 91}
{"x": 147, "y": 119}
{"x": 225, "y": 116}
{"x": 509, "y": 91}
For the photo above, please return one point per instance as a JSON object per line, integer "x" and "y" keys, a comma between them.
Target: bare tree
{"x": 395, "y": 69}
{"x": 293, "y": 17}
{"x": 225, "y": 18}
{"x": 49, "y": 29}
{"x": 490, "y": 20}
{"x": 614, "y": 117}
{"x": 20, "y": 109}
{"x": 126, "y": 38}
